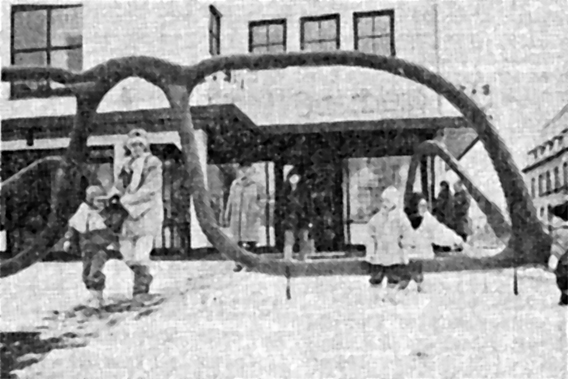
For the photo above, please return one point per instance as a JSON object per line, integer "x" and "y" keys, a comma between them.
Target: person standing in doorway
{"x": 298, "y": 213}
{"x": 443, "y": 204}
{"x": 443, "y": 212}
{"x": 461, "y": 204}
{"x": 139, "y": 186}
{"x": 242, "y": 212}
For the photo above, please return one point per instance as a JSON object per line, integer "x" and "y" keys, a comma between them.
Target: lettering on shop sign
{"x": 363, "y": 101}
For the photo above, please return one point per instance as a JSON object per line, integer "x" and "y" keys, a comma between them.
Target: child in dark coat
{"x": 558, "y": 261}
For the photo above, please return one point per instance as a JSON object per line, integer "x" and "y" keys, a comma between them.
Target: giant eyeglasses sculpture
{"x": 527, "y": 241}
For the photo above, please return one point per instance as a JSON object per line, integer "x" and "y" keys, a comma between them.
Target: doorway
{"x": 324, "y": 181}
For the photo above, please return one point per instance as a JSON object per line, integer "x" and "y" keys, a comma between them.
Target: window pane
{"x": 214, "y": 23}
{"x": 213, "y": 45}
{"x": 365, "y": 45}
{"x": 328, "y": 46}
{"x": 30, "y": 29}
{"x": 365, "y": 26}
{"x": 66, "y": 26}
{"x": 259, "y": 35}
{"x": 276, "y": 33}
{"x": 259, "y": 49}
{"x": 382, "y": 25}
{"x": 320, "y": 46}
{"x": 68, "y": 59}
{"x": 276, "y": 49}
{"x": 381, "y": 46}
{"x": 38, "y": 58}
{"x": 328, "y": 29}
{"x": 314, "y": 46}
{"x": 311, "y": 31}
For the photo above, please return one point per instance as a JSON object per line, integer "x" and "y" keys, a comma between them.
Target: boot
{"x": 142, "y": 280}
{"x": 96, "y": 299}
{"x": 563, "y": 299}
{"x": 420, "y": 287}
{"x": 238, "y": 268}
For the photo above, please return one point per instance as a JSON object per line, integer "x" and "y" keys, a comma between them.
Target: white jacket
{"x": 388, "y": 238}
{"x": 431, "y": 231}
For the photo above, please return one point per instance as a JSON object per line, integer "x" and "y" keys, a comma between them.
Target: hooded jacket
{"x": 389, "y": 233}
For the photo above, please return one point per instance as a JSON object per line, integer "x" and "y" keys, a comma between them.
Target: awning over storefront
{"x": 211, "y": 118}
{"x": 232, "y": 135}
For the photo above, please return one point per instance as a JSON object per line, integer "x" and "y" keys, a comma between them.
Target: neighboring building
{"x": 547, "y": 169}
{"x": 469, "y": 43}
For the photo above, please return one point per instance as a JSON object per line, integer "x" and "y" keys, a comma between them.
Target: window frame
{"x": 565, "y": 174}
{"x": 47, "y": 91}
{"x": 214, "y": 14}
{"x": 548, "y": 182}
{"x": 381, "y": 13}
{"x": 326, "y": 17}
{"x": 276, "y": 21}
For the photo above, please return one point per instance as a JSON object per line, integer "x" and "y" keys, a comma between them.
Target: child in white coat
{"x": 427, "y": 231}
{"x": 389, "y": 231}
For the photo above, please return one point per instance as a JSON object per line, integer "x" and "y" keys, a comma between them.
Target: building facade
{"x": 547, "y": 169}
{"x": 473, "y": 44}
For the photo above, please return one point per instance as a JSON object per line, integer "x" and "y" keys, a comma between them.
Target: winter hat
{"x": 94, "y": 192}
{"x": 137, "y": 135}
{"x": 391, "y": 194}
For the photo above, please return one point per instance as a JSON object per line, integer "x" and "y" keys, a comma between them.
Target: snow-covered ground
{"x": 220, "y": 324}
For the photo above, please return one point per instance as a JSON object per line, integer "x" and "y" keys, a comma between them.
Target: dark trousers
{"x": 94, "y": 256}
{"x": 400, "y": 274}
{"x": 561, "y": 273}
{"x": 247, "y": 245}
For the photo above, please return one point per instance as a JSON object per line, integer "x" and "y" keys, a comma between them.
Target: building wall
{"x": 517, "y": 46}
{"x": 297, "y": 95}
{"x": 173, "y": 30}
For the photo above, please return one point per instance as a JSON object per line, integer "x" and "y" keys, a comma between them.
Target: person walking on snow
{"x": 95, "y": 238}
{"x": 388, "y": 241}
{"x": 428, "y": 231}
{"x": 140, "y": 190}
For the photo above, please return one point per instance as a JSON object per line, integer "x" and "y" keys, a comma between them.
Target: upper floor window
{"x": 320, "y": 33}
{"x": 267, "y": 36}
{"x": 533, "y": 187}
{"x": 565, "y": 173}
{"x": 374, "y": 32}
{"x": 548, "y": 182}
{"x": 540, "y": 185}
{"x": 214, "y": 31}
{"x": 557, "y": 178}
{"x": 45, "y": 35}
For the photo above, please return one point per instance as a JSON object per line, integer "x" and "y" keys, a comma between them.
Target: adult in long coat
{"x": 140, "y": 190}
{"x": 461, "y": 204}
{"x": 243, "y": 207}
{"x": 443, "y": 204}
